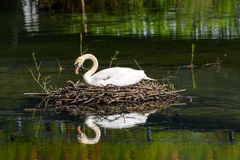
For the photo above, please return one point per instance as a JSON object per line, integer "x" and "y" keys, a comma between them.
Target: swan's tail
{"x": 151, "y": 79}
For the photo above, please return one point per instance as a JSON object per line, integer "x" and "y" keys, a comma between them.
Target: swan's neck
{"x": 85, "y": 140}
{"x": 88, "y": 74}
{"x": 98, "y": 134}
{"x": 82, "y": 138}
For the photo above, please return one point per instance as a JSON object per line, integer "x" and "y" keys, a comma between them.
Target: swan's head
{"x": 80, "y": 134}
{"x": 78, "y": 63}
{"x": 82, "y": 138}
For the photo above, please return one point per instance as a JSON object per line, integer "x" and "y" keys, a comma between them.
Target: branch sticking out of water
{"x": 41, "y": 81}
{"x": 114, "y": 58}
{"x": 82, "y": 50}
{"x": 193, "y": 49}
{"x": 137, "y": 64}
{"x": 217, "y": 63}
{"x": 60, "y": 68}
{"x": 191, "y": 66}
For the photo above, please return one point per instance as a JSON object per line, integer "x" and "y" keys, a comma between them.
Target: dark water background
{"x": 159, "y": 36}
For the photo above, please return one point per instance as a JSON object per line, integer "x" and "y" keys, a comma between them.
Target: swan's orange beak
{"x": 77, "y": 70}
{"x": 78, "y": 130}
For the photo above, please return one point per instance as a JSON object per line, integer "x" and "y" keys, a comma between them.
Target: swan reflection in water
{"x": 118, "y": 121}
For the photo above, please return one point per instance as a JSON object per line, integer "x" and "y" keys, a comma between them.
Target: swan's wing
{"x": 104, "y": 74}
{"x": 119, "y": 76}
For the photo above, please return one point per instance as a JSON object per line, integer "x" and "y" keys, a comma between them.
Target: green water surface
{"x": 159, "y": 35}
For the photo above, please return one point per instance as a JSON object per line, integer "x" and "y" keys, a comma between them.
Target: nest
{"x": 79, "y": 98}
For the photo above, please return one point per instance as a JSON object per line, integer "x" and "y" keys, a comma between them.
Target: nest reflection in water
{"x": 82, "y": 99}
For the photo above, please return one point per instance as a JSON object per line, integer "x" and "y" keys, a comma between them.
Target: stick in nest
{"x": 112, "y": 99}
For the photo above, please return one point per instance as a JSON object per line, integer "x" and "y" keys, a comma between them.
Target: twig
{"x": 60, "y": 68}
{"x": 38, "y": 82}
{"x": 113, "y": 58}
{"x": 35, "y": 94}
{"x": 137, "y": 64}
{"x": 181, "y": 90}
{"x": 191, "y": 66}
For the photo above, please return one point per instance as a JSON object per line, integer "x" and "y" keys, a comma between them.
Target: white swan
{"x": 120, "y": 121}
{"x": 117, "y": 121}
{"x": 118, "y": 76}
{"x": 82, "y": 138}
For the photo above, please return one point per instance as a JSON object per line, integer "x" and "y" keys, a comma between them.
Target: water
{"x": 159, "y": 36}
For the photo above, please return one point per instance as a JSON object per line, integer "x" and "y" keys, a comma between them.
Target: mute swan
{"x": 118, "y": 76}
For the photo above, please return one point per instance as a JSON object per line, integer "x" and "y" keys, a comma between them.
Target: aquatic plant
{"x": 82, "y": 50}
{"x": 113, "y": 58}
{"x": 192, "y": 57}
{"x": 42, "y": 81}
